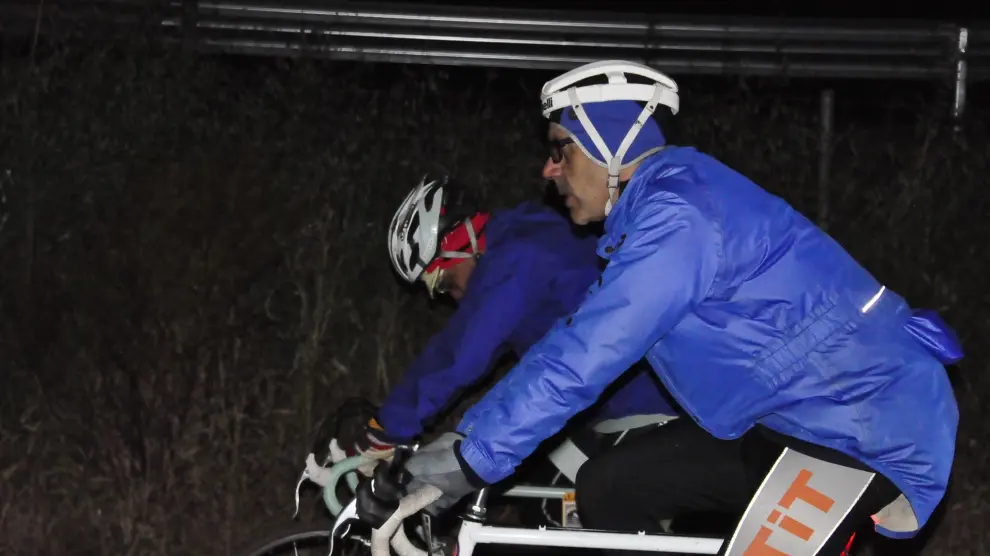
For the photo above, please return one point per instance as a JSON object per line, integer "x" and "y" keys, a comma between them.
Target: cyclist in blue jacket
{"x": 534, "y": 269}
{"x": 757, "y": 322}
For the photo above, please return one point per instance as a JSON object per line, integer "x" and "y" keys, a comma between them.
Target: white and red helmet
{"x": 434, "y": 229}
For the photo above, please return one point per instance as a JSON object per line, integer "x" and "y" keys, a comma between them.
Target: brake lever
{"x": 427, "y": 532}
{"x": 347, "y": 515}
{"x": 313, "y": 471}
{"x": 302, "y": 479}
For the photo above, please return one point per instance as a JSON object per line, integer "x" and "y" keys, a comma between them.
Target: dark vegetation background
{"x": 194, "y": 271}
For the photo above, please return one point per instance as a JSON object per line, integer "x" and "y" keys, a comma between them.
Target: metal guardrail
{"x": 560, "y": 40}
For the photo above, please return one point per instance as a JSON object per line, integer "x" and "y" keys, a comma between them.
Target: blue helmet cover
{"x": 613, "y": 121}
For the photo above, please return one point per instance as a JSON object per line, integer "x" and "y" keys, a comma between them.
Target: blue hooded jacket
{"x": 749, "y": 313}
{"x": 535, "y": 269}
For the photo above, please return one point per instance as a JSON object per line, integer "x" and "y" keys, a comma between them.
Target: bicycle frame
{"x": 473, "y": 534}
{"x": 473, "y": 531}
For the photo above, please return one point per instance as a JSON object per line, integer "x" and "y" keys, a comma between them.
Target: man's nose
{"x": 551, "y": 169}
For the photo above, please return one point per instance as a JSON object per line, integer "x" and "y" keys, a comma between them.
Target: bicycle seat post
{"x": 477, "y": 509}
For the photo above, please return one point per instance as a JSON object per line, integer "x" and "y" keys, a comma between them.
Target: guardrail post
{"x": 826, "y": 116}
{"x": 959, "y": 99}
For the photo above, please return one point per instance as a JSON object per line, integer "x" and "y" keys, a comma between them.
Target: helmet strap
{"x": 433, "y": 278}
{"x": 472, "y": 237}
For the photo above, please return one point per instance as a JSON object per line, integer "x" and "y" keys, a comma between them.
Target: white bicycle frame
{"x": 473, "y": 532}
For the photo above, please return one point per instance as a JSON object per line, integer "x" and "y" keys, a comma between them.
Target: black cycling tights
{"x": 680, "y": 469}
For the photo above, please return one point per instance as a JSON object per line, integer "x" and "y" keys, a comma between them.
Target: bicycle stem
{"x": 478, "y": 508}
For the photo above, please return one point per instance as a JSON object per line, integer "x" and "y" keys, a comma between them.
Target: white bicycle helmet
{"x": 434, "y": 229}
{"x": 564, "y": 91}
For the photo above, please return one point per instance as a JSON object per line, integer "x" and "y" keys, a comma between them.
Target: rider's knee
{"x": 592, "y": 485}
{"x": 590, "y": 474}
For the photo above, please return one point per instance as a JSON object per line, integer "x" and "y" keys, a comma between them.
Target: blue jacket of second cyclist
{"x": 535, "y": 270}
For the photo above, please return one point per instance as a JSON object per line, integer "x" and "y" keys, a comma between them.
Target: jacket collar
{"x": 624, "y": 210}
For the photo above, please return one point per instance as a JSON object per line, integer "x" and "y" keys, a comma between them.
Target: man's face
{"x": 579, "y": 179}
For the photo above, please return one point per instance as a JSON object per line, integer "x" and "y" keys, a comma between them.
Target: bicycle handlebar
{"x": 348, "y": 465}
{"x": 336, "y": 472}
{"x": 392, "y": 529}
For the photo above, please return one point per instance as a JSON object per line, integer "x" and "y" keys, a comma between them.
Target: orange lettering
{"x": 797, "y": 528}
{"x": 759, "y": 546}
{"x": 800, "y": 489}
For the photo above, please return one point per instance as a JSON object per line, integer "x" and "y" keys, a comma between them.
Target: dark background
{"x": 193, "y": 274}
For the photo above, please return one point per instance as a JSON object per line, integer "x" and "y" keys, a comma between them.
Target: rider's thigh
{"x": 670, "y": 470}
{"x": 761, "y": 449}
{"x": 880, "y": 493}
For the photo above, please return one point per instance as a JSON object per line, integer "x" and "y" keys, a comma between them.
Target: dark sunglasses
{"x": 556, "y": 148}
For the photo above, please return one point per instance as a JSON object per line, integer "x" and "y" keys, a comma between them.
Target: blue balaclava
{"x": 613, "y": 120}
